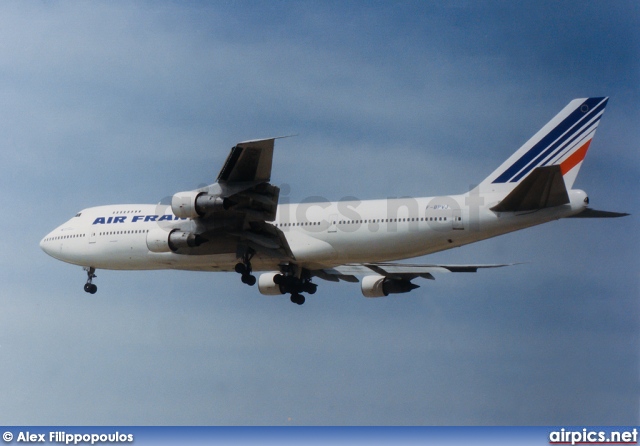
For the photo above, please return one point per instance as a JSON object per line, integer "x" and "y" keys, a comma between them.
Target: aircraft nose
{"x": 45, "y": 244}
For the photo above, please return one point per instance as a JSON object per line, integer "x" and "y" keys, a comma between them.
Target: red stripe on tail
{"x": 575, "y": 158}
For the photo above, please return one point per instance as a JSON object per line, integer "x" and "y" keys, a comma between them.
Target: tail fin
{"x": 563, "y": 142}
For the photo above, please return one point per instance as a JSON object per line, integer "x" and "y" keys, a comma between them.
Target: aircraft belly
{"x": 307, "y": 247}
{"x": 369, "y": 246}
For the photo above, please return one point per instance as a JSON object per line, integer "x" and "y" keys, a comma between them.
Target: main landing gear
{"x": 89, "y": 287}
{"x": 290, "y": 283}
{"x": 244, "y": 268}
{"x": 292, "y": 280}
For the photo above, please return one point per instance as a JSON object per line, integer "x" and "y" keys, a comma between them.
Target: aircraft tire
{"x": 310, "y": 288}
{"x": 249, "y": 279}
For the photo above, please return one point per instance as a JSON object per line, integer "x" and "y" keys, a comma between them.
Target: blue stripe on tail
{"x": 548, "y": 144}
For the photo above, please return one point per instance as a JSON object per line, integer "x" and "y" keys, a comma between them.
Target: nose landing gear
{"x": 89, "y": 287}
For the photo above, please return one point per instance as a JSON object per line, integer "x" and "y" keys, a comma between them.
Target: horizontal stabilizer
{"x": 592, "y": 213}
{"x": 543, "y": 188}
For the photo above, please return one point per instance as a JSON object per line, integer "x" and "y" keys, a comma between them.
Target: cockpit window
{"x": 78, "y": 214}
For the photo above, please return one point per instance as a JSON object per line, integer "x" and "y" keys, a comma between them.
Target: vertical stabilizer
{"x": 563, "y": 142}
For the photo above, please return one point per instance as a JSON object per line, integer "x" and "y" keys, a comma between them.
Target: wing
{"x": 248, "y": 161}
{"x": 398, "y": 271}
{"x": 234, "y": 214}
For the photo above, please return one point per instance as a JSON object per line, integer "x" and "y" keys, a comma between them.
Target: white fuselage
{"x": 320, "y": 235}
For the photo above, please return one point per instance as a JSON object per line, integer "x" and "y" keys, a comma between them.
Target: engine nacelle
{"x": 183, "y": 204}
{"x": 160, "y": 240}
{"x": 267, "y": 286}
{"x": 195, "y": 204}
{"x": 380, "y": 286}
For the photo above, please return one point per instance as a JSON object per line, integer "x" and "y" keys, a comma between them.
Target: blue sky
{"x": 108, "y": 103}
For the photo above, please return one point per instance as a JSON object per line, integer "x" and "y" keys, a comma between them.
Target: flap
{"x": 403, "y": 270}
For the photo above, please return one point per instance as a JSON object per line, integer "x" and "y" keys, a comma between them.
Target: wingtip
{"x": 273, "y": 138}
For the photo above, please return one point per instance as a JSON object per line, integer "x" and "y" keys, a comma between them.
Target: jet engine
{"x": 267, "y": 286}
{"x": 380, "y": 286}
{"x": 275, "y": 283}
{"x": 195, "y": 204}
{"x": 160, "y": 240}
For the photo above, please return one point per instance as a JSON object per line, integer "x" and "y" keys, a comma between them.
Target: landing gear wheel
{"x": 310, "y": 288}
{"x": 90, "y": 287}
{"x": 297, "y": 298}
{"x": 244, "y": 268}
{"x": 249, "y": 279}
{"x": 241, "y": 268}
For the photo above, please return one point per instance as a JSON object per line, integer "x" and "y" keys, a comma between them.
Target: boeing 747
{"x": 237, "y": 224}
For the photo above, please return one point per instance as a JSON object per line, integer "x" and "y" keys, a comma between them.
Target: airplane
{"x": 236, "y": 223}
